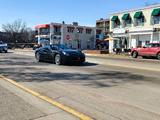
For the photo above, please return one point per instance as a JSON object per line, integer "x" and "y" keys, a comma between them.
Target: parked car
{"x": 3, "y": 47}
{"x": 59, "y": 54}
{"x": 152, "y": 49}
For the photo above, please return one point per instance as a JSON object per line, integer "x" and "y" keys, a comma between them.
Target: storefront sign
{"x": 119, "y": 31}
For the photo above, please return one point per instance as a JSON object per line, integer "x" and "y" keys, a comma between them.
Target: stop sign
{"x": 68, "y": 37}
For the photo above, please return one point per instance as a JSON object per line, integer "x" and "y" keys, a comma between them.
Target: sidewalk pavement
{"x": 16, "y": 104}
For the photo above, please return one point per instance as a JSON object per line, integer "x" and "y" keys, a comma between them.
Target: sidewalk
{"x": 16, "y": 104}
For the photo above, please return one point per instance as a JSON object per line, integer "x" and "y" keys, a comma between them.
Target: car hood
{"x": 72, "y": 51}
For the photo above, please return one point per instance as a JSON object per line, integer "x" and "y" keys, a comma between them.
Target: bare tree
{"x": 17, "y": 31}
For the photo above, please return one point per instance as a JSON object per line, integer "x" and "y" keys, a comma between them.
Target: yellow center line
{"x": 49, "y": 100}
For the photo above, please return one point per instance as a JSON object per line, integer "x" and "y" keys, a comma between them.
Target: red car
{"x": 152, "y": 49}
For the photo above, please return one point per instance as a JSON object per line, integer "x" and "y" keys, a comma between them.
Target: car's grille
{"x": 74, "y": 54}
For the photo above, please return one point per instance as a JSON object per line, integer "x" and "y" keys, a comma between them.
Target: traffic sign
{"x": 68, "y": 37}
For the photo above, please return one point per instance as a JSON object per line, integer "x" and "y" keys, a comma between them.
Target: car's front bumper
{"x": 73, "y": 59}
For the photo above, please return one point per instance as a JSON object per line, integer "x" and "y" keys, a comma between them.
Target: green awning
{"x": 114, "y": 18}
{"x": 138, "y": 14}
{"x": 125, "y": 16}
{"x": 156, "y": 12}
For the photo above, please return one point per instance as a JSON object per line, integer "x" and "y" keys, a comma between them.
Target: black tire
{"x": 135, "y": 54}
{"x": 57, "y": 59}
{"x": 158, "y": 56}
{"x": 37, "y": 56}
{"x": 144, "y": 57}
{"x": 5, "y": 51}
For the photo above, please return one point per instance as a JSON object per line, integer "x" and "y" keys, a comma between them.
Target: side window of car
{"x": 54, "y": 48}
{"x": 156, "y": 45}
{"x": 46, "y": 49}
{"x": 149, "y": 45}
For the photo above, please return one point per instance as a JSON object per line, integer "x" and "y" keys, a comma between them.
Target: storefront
{"x": 121, "y": 39}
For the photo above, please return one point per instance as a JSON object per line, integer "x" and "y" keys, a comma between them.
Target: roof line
{"x": 138, "y": 9}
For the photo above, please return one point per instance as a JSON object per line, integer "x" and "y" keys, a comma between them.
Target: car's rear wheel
{"x": 135, "y": 54}
{"x": 158, "y": 56}
{"x": 57, "y": 59}
{"x": 37, "y": 56}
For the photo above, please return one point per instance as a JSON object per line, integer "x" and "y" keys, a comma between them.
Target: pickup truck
{"x": 149, "y": 50}
{"x": 3, "y": 47}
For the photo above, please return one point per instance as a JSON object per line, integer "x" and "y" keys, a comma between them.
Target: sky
{"x": 85, "y": 12}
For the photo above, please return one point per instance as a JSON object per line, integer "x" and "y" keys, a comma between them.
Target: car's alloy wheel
{"x": 57, "y": 59}
{"x": 37, "y": 56}
{"x": 135, "y": 54}
{"x": 158, "y": 56}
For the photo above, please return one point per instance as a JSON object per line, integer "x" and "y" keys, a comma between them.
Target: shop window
{"x": 139, "y": 43}
{"x": 139, "y": 21}
{"x": 127, "y": 23}
{"x": 139, "y": 18}
{"x": 44, "y": 31}
{"x": 115, "y": 22}
{"x": 147, "y": 42}
{"x": 57, "y": 29}
{"x": 156, "y": 19}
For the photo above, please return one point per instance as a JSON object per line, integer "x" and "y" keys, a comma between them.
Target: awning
{"x": 42, "y": 26}
{"x": 114, "y": 18}
{"x": 138, "y": 14}
{"x": 156, "y": 12}
{"x": 125, "y": 16}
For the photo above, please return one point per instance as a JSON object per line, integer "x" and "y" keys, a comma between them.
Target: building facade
{"x": 102, "y": 33}
{"x": 135, "y": 28}
{"x": 72, "y": 35}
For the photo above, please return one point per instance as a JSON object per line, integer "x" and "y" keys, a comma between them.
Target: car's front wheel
{"x": 37, "y": 56}
{"x": 57, "y": 59}
{"x": 135, "y": 54}
{"x": 158, "y": 56}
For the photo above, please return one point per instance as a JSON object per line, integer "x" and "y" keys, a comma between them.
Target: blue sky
{"x": 86, "y": 12}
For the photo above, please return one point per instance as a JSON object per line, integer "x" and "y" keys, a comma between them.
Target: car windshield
{"x": 63, "y": 47}
{"x": 60, "y": 47}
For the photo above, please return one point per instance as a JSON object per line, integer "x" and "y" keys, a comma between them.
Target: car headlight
{"x": 65, "y": 53}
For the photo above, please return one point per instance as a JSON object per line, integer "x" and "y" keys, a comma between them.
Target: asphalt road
{"x": 97, "y": 88}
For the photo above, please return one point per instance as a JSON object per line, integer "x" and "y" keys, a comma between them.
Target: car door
{"x": 55, "y": 50}
{"x": 141, "y": 51}
{"x": 145, "y": 51}
{"x": 46, "y": 54}
{"x": 154, "y": 49}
